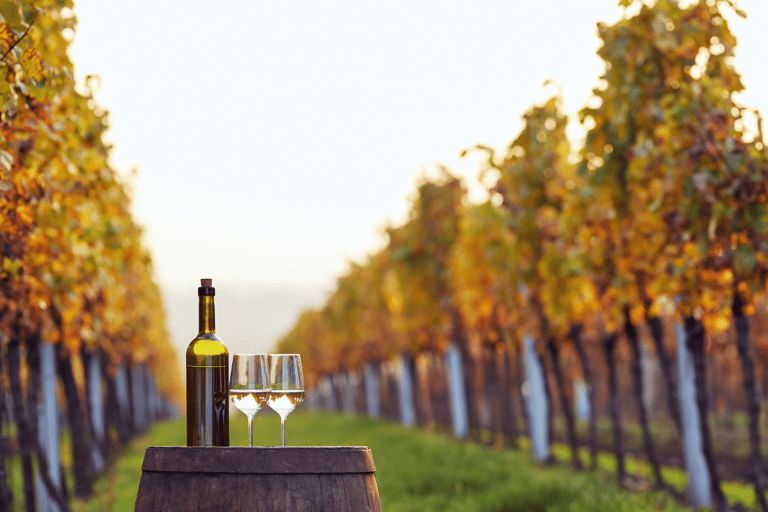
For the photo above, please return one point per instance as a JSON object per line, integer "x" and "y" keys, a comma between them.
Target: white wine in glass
{"x": 286, "y": 379}
{"x": 249, "y": 386}
{"x": 248, "y": 401}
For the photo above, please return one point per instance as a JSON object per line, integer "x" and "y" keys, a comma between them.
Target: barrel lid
{"x": 259, "y": 460}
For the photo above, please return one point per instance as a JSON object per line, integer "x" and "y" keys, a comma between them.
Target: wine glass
{"x": 249, "y": 386}
{"x": 286, "y": 380}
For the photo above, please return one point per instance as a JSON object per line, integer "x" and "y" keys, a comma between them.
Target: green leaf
{"x": 703, "y": 245}
{"x": 401, "y": 253}
{"x": 744, "y": 260}
{"x": 12, "y": 15}
{"x": 735, "y": 160}
{"x": 755, "y": 213}
{"x": 31, "y": 12}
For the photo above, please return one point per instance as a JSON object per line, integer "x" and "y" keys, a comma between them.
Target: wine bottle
{"x": 207, "y": 373}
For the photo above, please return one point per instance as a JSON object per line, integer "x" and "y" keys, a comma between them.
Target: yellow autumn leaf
{"x": 32, "y": 64}
{"x": 24, "y": 214}
{"x": 637, "y": 313}
{"x": 6, "y": 36}
{"x": 577, "y": 308}
{"x": 721, "y": 323}
{"x": 726, "y": 276}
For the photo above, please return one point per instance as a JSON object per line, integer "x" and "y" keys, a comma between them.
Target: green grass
{"x": 731, "y": 439}
{"x": 675, "y": 477}
{"x": 116, "y": 491}
{"x": 416, "y": 471}
{"x": 730, "y": 433}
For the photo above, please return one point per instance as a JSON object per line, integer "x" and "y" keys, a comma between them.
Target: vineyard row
{"x": 500, "y": 396}
{"x": 74, "y": 398}
{"x": 579, "y": 256}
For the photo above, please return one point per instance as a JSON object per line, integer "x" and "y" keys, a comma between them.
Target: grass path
{"x": 416, "y": 471}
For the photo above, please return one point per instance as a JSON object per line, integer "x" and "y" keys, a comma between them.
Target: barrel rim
{"x": 259, "y": 460}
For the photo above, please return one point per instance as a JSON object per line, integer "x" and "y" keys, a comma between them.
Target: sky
{"x": 268, "y": 144}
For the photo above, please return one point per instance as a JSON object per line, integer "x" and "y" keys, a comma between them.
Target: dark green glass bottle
{"x": 207, "y": 374}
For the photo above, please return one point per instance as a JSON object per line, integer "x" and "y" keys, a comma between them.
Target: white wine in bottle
{"x": 207, "y": 373}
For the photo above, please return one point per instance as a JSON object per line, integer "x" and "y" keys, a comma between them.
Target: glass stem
{"x": 250, "y": 431}
{"x": 282, "y": 428}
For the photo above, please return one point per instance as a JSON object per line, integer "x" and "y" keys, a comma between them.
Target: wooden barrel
{"x": 305, "y": 479}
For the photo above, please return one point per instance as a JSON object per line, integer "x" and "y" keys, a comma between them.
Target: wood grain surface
{"x": 311, "y": 479}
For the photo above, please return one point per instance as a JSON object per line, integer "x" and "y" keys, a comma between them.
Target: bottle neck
{"x": 207, "y": 315}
